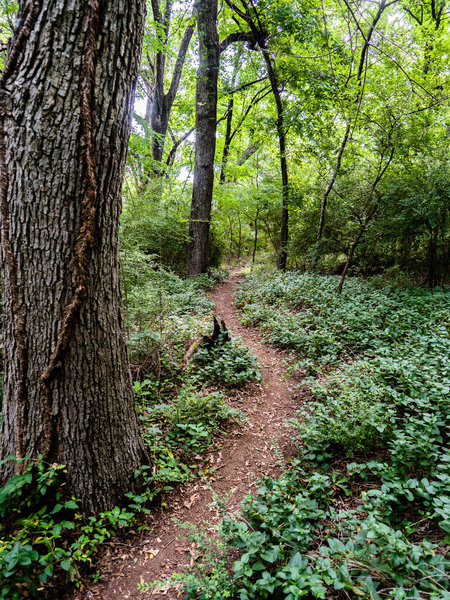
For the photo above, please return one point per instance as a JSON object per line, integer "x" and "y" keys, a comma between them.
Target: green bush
{"x": 295, "y": 543}
{"x": 156, "y": 223}
{"x": 372, "y": 486}
{"x": 42, "y": 533}
{"x": 164, "y": 313}
{"x": 179, "y": 429}
{"x": 224, "y": 364}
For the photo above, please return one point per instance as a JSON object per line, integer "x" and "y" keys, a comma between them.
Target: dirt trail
{"x": 247, "y": 454}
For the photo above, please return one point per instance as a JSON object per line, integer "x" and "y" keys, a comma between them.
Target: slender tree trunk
{"x": 255, "y": 241}
{"x": 228, "y": 131}
{"x": 432, "y": 279}
{"x": 227, "y": 143}
{"x": 160, "y": 103}
{"x": 248, "y": 152}
{"x": 260, "y": 38}
{"x": 284, "y": 226}
{"x": 363, "y": 223}
{"x": 230, "y": 251}
{"x": 350, "y": 255}
{"x": 240, "y": 238}
{"x": 63, "y": 140}
{"x": 205, "y": 138}
{"x": 337, "y": 168}
{"x": 323, "y": 206}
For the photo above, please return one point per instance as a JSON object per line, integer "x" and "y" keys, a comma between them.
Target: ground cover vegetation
{"x": 330, "y": 157}
{"x": 365, "y": 508}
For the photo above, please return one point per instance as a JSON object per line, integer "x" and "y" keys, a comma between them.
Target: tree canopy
{"x": 351, "y": 96}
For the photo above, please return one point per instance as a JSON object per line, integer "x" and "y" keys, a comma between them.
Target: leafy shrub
{"x": 325, "y": 526}
{"x": 152, "y": 293}
{"x": 348, "y": 411}
{"x": 226, "y": 363}
{"x": 176, "y": 431}
{"x": 42, "y": 534}
{"x": 303, "y": 312}
{"x": 283, "y": 555}
{"x": 156, "y": 223}
{"x": 206, "y": 578}
{"x": 164, "y": 312}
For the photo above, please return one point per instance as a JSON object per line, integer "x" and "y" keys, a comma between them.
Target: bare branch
{"x": 246, "y": 85}
{"x": 237, "y": 36}
{"x": 179, "y": 63}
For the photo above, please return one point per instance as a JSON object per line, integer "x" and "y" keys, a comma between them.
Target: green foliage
{"x": 155, "y": 223}
{"x": 164, "y": 313}
{"x": 207, "y": 577}
{"x": 179, "y": 430}
{"x": 152, "y": 293}
{"x": 302, "y": 312}
{"x": 42, "y": 533}
{"x": 294, "y": 543}
{"x": 356, "y": 512}
{"x": 225, "y": 364}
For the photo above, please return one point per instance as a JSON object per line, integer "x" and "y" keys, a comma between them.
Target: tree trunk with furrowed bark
{"x": 205, "y": 138}
{"x": 66, "y": 95}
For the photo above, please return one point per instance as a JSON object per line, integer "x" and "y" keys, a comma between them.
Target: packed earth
{"x": 234, "y": 466}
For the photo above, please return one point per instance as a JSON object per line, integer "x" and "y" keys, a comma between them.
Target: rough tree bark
{"x": 205, "y": 137}
{"x": 66, "y": 99}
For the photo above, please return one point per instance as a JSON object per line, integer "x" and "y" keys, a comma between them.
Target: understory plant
{"x": 364, "y": 511}
{"x": 208, "y": 575}
{"x": 43, "y": 535}
{"x": 226, "y": 363}
{"x": 177, "y": 432}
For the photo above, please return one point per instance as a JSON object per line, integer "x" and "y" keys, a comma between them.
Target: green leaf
{"x": 66, "y": 564}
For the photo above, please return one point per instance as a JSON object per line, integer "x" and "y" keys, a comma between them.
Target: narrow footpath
{"x": 246, "y": 454}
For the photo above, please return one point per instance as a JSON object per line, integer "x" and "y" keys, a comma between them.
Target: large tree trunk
{"x": 205, "y": 138}
{"x": 67, "y": 93}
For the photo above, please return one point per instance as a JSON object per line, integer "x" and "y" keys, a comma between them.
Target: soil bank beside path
{"x": 245, "y": 456}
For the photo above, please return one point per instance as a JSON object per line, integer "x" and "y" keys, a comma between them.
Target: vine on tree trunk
{"x": 21, "y": 35}
{"x": 85, "y": 237}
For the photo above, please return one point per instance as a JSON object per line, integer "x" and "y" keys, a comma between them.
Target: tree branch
{"x": 246, "y": 85}
{"x": 236, "y": 36}
{"x": 179, "y": 64}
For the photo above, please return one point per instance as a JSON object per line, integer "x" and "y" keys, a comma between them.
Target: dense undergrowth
{"x": 44, "y": 540}
{"x": 365, "y": 510}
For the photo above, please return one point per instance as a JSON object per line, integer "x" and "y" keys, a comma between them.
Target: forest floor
{"x": 235, "y": 464}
